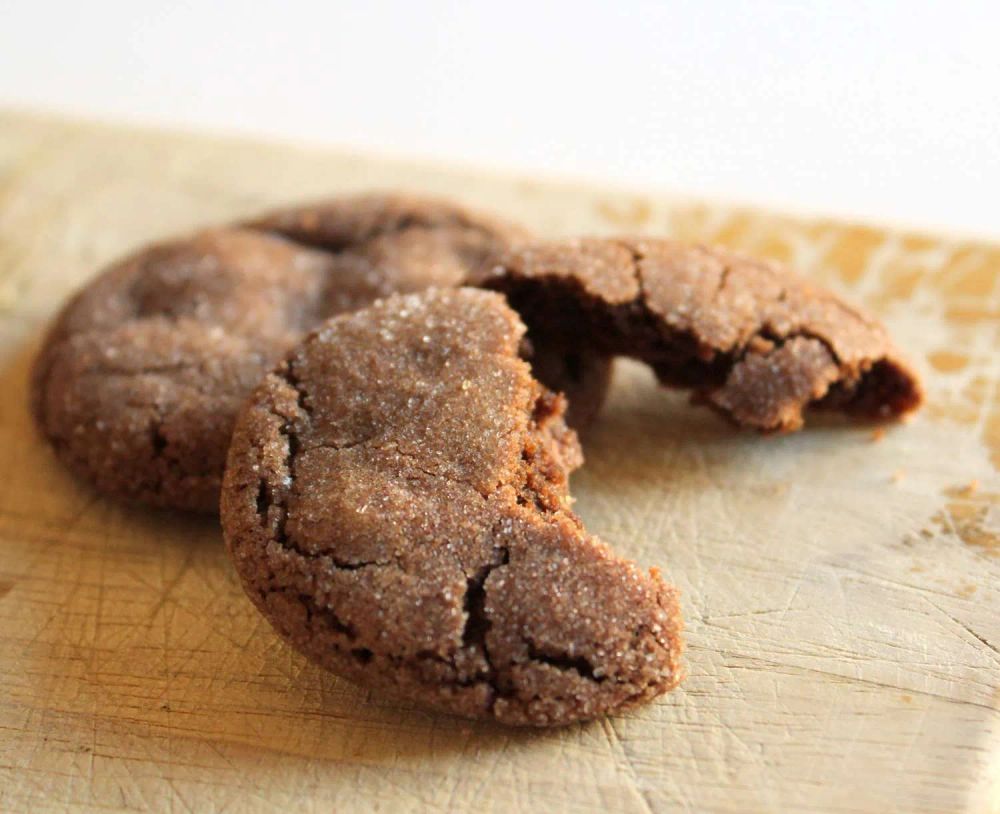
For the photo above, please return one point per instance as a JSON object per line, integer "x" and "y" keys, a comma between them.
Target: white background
{"x": 886, "y": 111}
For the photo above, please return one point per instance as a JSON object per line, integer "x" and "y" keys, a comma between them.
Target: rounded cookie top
{"x": 751, "y": 339}
{"x": 140, "y": 378}
{"x": 396, "y": 504}
{"x": 396, "y": 243}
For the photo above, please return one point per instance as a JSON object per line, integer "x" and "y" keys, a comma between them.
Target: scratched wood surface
{"x": 841, "y": 587}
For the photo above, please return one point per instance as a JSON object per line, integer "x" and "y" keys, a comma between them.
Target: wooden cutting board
{"x": 841, "y": 586}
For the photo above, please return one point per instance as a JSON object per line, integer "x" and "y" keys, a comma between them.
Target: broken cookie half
{"x": 752, "y": 340}
{"x": 396, "y": 503}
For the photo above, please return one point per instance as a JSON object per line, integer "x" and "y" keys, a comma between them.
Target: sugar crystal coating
{"x": 396, "y": 503}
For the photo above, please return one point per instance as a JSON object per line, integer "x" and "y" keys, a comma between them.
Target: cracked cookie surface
{"x": 140, "y": 378}
{"x": 396, "y": 503}
{"x": 752, "y": 340}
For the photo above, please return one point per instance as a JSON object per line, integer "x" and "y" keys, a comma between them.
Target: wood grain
{"x": 841, "y": 587}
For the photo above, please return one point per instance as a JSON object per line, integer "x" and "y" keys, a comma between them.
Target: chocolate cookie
{"x": 396, "y": 504}
{"x": 749, "y": 338}
{"x": 139, "y": 381}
